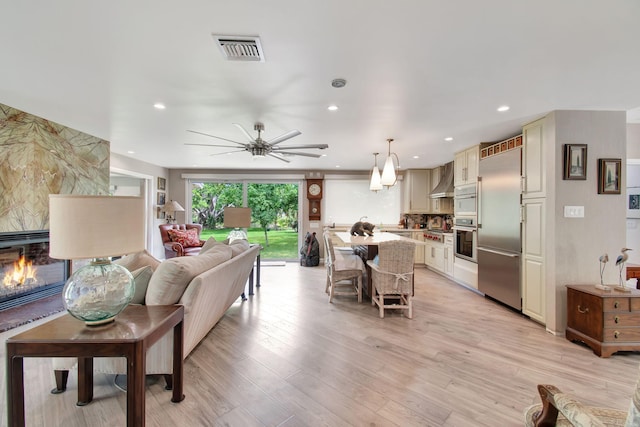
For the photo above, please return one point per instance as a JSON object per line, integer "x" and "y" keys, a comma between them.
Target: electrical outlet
{"x": 574, "y": 211}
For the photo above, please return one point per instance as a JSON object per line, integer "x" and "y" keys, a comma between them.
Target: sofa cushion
{"x": 186, "y": 238}
{"x": 212, "y": 242}
{"x": 173, "y": 276}
{"x": 140, "y": 259}
{"x": 238, "y": 246}
{"x": 141, "y": 278}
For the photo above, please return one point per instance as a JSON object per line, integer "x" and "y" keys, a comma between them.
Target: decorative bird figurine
{"x": 622, "y": 258}
{"x": 603, "y": 263}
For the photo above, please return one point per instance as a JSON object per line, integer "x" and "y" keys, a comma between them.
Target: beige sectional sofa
{"x": 206, "y": 284}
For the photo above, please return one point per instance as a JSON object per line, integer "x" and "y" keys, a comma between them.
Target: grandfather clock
{"x": 314, "y": 194}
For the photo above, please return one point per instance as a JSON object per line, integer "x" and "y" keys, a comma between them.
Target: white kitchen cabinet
{"x": 416, "y": 189}
{"x": 533, "y": 283}
{"x": 448, "y": 254}
{"x": 533, "y": 165}
{"x": 419, "y": 257}
{"x": 465, "y": 166}
{"x": 434, "y": 255}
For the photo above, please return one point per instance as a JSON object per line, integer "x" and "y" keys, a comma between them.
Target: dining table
{"x": 370, "y": 243}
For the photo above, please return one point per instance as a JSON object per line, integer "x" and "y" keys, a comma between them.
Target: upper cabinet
{"x": 533, "y": 172}
{"x": 416, "y": 188}
{"x": 466, "y": 166}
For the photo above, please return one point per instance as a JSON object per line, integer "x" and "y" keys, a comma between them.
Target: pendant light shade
{"x": 389, "y": 176}
{"x": 375, "y": 184}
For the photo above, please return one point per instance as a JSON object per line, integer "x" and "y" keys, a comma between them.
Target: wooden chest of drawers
{"x": 605, "y": 321}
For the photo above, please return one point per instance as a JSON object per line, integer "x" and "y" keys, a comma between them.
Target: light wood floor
{"x": 288, "y": 358}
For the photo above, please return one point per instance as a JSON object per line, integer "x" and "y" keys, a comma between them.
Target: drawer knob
{"x": 616, "y": 319}
{"x": 583, "y": 310}
{"x": 616, "y": 334}
{"x": 616, "y": 304}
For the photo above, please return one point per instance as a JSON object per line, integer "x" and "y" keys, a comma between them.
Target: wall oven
{"x": 465, "y": 200}
{"x": 465, "y": 238}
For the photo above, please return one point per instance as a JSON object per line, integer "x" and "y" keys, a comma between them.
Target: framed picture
{"x": 609, "y": 176}
{"x": 161, "y": 198}
{"x": 160, "y": 213}
{"x": 575, "y": 161}
{"x": 633, "y": 202}
{"x": 162, "y": 183}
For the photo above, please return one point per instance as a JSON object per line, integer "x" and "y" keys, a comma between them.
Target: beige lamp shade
{"x": 237, "y": 217}
{"x": 172, "y": 207}
{"x": 83, "y": 226}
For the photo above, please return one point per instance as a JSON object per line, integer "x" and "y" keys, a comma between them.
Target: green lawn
{"x": 283, "y": 244}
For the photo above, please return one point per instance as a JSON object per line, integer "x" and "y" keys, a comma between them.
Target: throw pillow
{"x": 140, "y": 259}
{"x": 174, "y": 275}
{"x": 238, "y": 247}
{"x": 141, "y": 277}
{"x": 187, "y": 238}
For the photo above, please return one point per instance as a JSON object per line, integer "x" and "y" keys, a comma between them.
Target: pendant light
{"x": 375, "y": 184}
{"x": 389, "y": 176}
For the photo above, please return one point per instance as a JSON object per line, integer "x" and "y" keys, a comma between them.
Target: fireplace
{"x": 26, "y": 270}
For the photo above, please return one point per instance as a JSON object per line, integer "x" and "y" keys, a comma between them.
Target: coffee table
{"x": 134, "y": 331}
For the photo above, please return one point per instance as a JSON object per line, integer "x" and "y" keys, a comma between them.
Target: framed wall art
{"x": 162, "y": 183}
{"x": 633, "y": 202}
{"x": 575, "y": 161}
{"x": 161, "y": 198}
{"x": 609, "y": 171}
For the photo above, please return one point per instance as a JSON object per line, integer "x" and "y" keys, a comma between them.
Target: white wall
{"x": 576, "y": 244}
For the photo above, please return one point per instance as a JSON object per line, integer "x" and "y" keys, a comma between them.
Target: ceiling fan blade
{"x": 217, "y": 137}
{"x": 302, "y": 147}
{"x": 292, "y": 153}
{"x": 278, "y": 157}
{"x": 227, "y": 152}
{"x": 284, "y": 137}
{"x": 211, "y": 145}
{"x": 249, "y": 137}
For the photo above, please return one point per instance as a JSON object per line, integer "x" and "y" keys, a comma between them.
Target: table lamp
{"x": 237, "y": 218}
{"x": 96, "y": 227}
{"x": 171, "y": 208}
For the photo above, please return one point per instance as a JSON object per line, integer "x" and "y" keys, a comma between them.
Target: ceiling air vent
{"x": 240, "y": 48}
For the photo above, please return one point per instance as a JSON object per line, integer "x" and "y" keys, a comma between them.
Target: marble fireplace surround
{"x": 40, "y": 157}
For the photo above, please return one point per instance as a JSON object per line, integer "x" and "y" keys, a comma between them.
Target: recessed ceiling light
{"x": 337, "y": 166}
{"x": 449, "y": 138}
{"x": 332, "y": 107}
{"x": 131, "y": 152}
{"x": 416, "y": 157}
{"x": 159, "y": 106}
{"x": 503, "y": 108}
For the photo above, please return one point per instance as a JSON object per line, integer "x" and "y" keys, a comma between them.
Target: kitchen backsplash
{"x": 428, "y": 221}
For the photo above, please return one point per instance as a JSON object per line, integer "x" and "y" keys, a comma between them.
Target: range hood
{"x": 445, "y": 186}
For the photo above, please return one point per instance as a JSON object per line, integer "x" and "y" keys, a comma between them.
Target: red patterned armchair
{"x": 181, "y": 239}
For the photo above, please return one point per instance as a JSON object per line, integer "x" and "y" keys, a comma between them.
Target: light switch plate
{"x": 574, "y": 211}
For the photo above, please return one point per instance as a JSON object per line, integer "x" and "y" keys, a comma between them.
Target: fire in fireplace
{"x": 27, "y": 270}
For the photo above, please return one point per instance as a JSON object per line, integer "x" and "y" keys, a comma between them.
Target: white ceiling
{"x": 416, "y": 70}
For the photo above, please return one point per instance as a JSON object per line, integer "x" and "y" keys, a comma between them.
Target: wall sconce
{"x": 389, "y": 175}
{"x": 375, "y": 184}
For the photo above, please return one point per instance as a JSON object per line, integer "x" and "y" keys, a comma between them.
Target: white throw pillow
{"x": 140, "y": 259}
{"x": 141, "y": 277}
{"x": 210, "y": 243}
{"x": 173, "y": 276}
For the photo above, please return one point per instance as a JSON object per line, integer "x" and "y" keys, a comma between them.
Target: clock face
{"x": 314, "y": 189}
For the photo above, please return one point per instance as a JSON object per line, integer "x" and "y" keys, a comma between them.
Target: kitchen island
{"x": 370, "y": 245}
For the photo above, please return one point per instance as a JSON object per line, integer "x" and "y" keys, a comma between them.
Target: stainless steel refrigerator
{"x": 499, "y": 235}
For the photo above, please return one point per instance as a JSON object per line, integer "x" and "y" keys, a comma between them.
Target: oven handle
{"x": 462, "y": 228}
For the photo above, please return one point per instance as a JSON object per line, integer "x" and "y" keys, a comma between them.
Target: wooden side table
{"x": 134, "y": 331}
{"x": 607, "y": 321}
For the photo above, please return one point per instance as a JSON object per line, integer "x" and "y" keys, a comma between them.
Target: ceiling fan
{"x": 261, "y": 148}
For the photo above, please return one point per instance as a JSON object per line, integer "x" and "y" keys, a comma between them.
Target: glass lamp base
{"x": 237, "y": 234}
{"x": 97, "y": 292}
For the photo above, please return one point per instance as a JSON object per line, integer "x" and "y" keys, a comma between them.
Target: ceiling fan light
{"x": 388, "y": 173}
